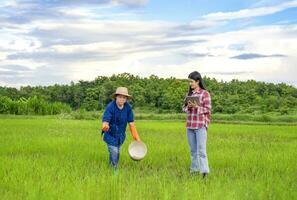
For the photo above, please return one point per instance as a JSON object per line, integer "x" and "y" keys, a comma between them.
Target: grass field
{"x": 45, "y": 158}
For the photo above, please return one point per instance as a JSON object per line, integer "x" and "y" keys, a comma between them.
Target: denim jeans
{"x": 197, "y": 141}
{"x": 114, "y": 155}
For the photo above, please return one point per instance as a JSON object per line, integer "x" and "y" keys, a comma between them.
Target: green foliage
{"x": 31, "y": 106}
{"x": 234, "y": 97}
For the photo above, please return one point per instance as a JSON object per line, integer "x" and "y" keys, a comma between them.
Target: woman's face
{"x": 193, "y": 84}
{"x": 121, "y": 99}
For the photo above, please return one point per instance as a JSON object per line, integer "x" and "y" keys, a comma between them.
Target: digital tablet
{"x": 192, "y": 99}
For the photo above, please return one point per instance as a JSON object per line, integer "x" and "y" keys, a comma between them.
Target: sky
{"x": 46, "y": 42}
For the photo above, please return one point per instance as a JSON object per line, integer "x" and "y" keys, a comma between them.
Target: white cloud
{"x": 61, "y": 50}
{"x": 268, "y": 40}
{"x": 137, "y": 59}
{"x": 129, "y": 2}
{"x": 252, "y": 12}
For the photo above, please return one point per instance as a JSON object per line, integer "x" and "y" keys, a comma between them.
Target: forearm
{"x": 133, "y": 131}
{"x": 204, "y": 110}
{"x": 205, "y": 107}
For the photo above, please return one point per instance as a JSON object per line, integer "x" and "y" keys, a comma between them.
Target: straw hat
{"x": 121, "y": 91}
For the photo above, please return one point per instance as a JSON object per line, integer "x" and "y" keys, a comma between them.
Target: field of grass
{"x": 267, "y": 118}
{"x": 43, "y": 158}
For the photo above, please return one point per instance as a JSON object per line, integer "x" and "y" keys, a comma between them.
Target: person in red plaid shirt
{"x": 198, "y": 118}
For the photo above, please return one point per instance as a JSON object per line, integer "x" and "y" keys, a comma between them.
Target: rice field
{"x": 44, "y": 158}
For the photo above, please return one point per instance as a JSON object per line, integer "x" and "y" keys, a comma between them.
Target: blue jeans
{"x": 114, "y": 155}
{"x": 197, "y": 141}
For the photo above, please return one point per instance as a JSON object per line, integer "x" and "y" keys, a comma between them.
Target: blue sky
{"x": 187, "y": 10}
{"x": 48, "y": 42}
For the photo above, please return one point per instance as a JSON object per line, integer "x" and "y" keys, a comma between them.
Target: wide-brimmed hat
{"x": 121, "y": 91}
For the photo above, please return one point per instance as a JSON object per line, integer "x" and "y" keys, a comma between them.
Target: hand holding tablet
{"x": 192, "y": 101}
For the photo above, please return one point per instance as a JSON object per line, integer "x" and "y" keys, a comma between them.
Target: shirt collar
{"x": 116, "y": 106}
{"x": 197, "y": 91}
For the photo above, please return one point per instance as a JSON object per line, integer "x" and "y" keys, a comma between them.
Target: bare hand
{"x": 105, "y": 126}
{"x": 193, "y": 104}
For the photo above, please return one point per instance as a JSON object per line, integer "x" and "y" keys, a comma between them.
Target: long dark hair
{"x": 196, "y": 76}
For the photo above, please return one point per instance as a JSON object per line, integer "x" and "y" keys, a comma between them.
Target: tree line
{"x": 162, "y": 94}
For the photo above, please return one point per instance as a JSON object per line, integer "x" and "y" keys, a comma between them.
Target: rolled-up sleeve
{"x": 130, "y": 117}
{"x": 205, "y": 108}
{"x": 107, "y": 114}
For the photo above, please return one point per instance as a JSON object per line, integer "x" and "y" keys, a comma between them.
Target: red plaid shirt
{"x": 199, "y": 117}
